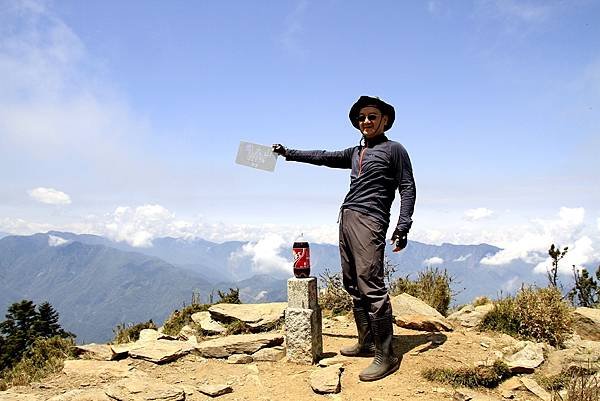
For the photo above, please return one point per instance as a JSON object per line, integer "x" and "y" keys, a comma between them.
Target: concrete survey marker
{"x": 256, "y": 156}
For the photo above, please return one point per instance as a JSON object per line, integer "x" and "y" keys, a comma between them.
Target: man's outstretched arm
{"x": 335, "y": 159}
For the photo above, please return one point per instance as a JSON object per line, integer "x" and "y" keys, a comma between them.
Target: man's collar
{"x": 369, "y": 143}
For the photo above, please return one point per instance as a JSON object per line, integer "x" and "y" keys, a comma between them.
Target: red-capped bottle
{"x": 301, "y": 254}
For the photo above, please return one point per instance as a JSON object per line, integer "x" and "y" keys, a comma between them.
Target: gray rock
{"x": 207, "y": 324}
{"x": 187, "y": 332}
{"x": 98, "y": 352}
{"x": 144, "y": 389}
{"x": 223, "y": 347}
{"x": 269, "y": 354}
{"x": 338, "y": 359}
{"x": 581, "y": 353}
{"x": 326, "y": 380}
{"x": 215, "y": 390}
{"x": 304, "y": 338}
{"x": 161, "y": 351}
{"x": 586, "y": 323}
{"x": 238, "y": 359}
{"x": 412, "y": 313}
{"x": 302, "y": 293}
{"x": 256, "y": 316}
{"x": 471, "y": 316}
{"x": 524, "y": 357}
{"x": 86, "y": 367}
{"x": 149, "y": 335}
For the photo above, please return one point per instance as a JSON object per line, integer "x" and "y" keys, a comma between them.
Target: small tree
{"x": 46, "y": 324}
{"x": 586, "y": 290}
{"x": 18, "y": 331}
{"x": 556, "y": 254}
{"x": 231, "y": 297}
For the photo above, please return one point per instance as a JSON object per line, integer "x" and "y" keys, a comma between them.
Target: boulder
{"x": 187, "y": 332}
{"x": 580, "y": 353}
{"x": 586, "y": 323}
{"x": 470, "y": 316}
{"x": 240, "y": 359}
{"x": 215, "y": 390}
{"x": 338, "y": 359}
{"x": 223, "y": 347}
{"x": 326, "y": 380}
{"x": 536, "y": 389}
{"x": 161, "y": 351}
{"x": 82, "y": 395}
{"x": 412, "y": 313}
{"x": 207, "y": 324}
{"x": 86, "y": 367}
{"x": 149, "y": 335}
{"x": 269, "y": 354}
{"x": 98, "y": 352}
{"x": 524, "y": 357}
{"x": 143, "y": 389}
{"x": 256, "y": 316}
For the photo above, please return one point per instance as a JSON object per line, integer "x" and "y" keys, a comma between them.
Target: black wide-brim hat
{"x": 364, "y": 101}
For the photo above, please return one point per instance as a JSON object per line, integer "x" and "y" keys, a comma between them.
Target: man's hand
{"x": 279, "y": 149}
{"x": 399, "y": 238}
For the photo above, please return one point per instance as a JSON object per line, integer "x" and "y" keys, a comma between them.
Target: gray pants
{"x": 362, "y": 245}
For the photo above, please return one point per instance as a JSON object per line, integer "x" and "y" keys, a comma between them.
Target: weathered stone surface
{"x": 81, "y": 395}
{"x": 302, "y": 293}
{"x": 144, "y": 389}
{"x": 98, "y": 352}
{"x": 122, "y": 350}
{"x": 269, "y": 354}
{"x": 256, "y": 316}
{"x": 215, "y": 390}
{"x": 326, "y": 380}
{"x": 238, "y": 344}
{"x": 338, "y": 359}
{"x": 207, "y": 324}
{"x": 586, "y": 323}
{"x": 524, "y": 357}
{"x": 303, "y": 335}
{"x": 85, "y": 367}
{"x": 536, "y": 389}
{"x": 470, "y": 316}
{"x": 187, "y": 332}
{"x": 412, "y": 313}
{"x": 13, "y": 396}
{"x": 161, "y": 351}
{"x": 149, "y": 335}
{"x": 238, "y": 359}
{"x": 581, "y": 353}
{"x": 512, "y": 384}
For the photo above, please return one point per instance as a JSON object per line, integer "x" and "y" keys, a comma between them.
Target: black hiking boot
{"x": 365, "y": 346}
{"x": 385, "y": 362}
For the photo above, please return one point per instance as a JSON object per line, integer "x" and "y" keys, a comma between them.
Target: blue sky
{"x": 123, "y": 118}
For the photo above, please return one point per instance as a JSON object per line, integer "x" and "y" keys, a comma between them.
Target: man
{"x": 378, "y": 166}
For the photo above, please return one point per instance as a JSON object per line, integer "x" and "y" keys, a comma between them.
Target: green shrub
{"x": 178, "y": 319}
{"x": 481, "y": 301}
{"x": 46, "y": 356}
{"x": 333, "y": 297}
{"x": 125, "y": 334}
{"x": 432, "y": 286}
{"x": 479, "y": 376}
{"x": 538, "y": 314}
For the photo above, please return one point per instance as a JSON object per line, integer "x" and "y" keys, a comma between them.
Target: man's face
{"x": 371, "y": 122}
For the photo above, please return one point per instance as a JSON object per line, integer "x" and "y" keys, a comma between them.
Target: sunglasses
{"x": 371, "y": 117}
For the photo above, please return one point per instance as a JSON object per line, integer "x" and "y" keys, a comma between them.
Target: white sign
{"x": 256, "y": 156}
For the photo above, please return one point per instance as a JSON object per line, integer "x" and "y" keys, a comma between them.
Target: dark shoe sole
{"x": 359, "y": 354}
{"x": 380, "y": 376}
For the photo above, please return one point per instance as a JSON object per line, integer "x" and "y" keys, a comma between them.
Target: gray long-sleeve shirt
{"x": 377, "y": 170}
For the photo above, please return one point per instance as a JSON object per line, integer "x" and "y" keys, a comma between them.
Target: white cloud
{"x": 53, "y": 240}
{"x": 598, "y": 223}
{"x": 531, "y": 242}
{"x": 50, "y": 196}
{"x": 512, "y": 284}
{"x": 462, "y": 258}
{"x": 478, "y": 214}
{"x": 433, "y": 261}
{"x": 265, "y": 254}
{"x": 523, "y": 11}
{"x": 579, "y": 253}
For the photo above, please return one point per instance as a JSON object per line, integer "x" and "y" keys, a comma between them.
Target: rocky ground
{"x": 186, "y": 370}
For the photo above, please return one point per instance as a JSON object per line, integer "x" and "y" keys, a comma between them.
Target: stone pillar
{"x": 303, "y": 323}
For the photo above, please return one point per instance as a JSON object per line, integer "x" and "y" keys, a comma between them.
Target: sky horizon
{"x": 124, "y": 119}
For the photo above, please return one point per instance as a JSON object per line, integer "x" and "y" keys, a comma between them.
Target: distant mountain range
{"x": 96, "y": 283}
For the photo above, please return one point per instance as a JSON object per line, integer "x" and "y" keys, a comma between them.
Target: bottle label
{"x": 301, "y": 258}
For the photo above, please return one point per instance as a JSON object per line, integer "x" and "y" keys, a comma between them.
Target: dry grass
{"x": 479, "y": 376}
{"x": 125, "y": 333}
{"x": 333, "y": 298}
{"x": 180, "y": 318}
{"x": 432, "y": 286}
{"x": 45, "y": 357}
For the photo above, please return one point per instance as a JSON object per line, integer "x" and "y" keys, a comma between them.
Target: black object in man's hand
{"x": 279, "y": 149}
{"x": 399, "y": 239}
